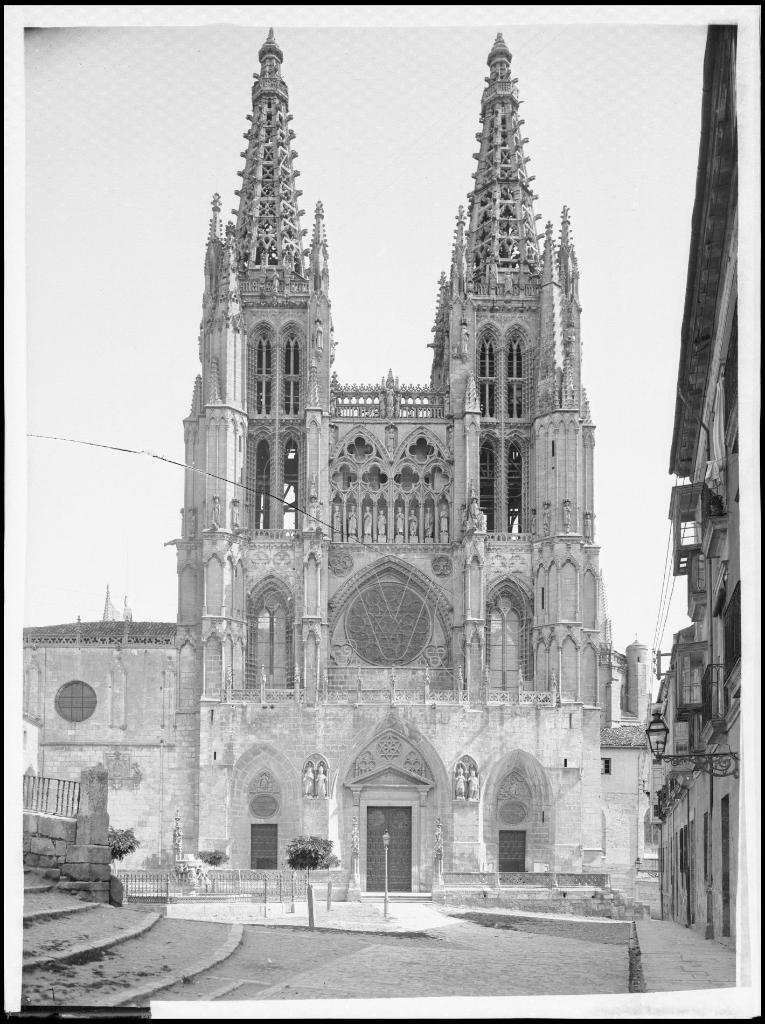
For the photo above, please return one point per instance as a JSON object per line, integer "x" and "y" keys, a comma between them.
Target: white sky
{"x": 130, "y": 131}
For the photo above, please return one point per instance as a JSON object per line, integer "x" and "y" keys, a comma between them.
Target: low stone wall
{"x": 73, "y": 853}
{"x": 581, "y": 903}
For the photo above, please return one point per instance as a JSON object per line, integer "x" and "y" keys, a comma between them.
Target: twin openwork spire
{"x": 268, "y": 232}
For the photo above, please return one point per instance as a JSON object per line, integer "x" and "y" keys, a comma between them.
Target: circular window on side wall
{"x": 264, "y": 806}
{"x": 76, "y": 701}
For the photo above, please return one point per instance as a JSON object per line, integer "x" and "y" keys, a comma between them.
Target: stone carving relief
{"x": 263, "y": 794}
{"x": 513, "y": 799}
{"x": 391, "y": 751}
{"x": 340, "y": 563}
{"x": 123, "y": 773}
{"x": 441, "y": 565}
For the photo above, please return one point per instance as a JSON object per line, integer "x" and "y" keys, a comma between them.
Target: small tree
{"x": 122, "y": 842}
{"x": 311, "y": 853}
{"x": 213, "y": 857}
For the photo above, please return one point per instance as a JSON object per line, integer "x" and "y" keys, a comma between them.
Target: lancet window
{"x": 291, "y": 378}
{"x": 258, "y": 484}
{"x": 486, "y": 377}
{"x": 488, "y": 477}
{"x": 259, "y": 374}
{"x": 514, "y": 489}
{"x": 507, "y": 646}
{"x": 514, "y": 379}
{"x": 290, "y": 484}
{"x": 269, "y": 641}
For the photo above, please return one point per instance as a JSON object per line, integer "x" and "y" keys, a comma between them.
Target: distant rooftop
{"x": 623, "y": 736}
{"x": 105, "y": 633}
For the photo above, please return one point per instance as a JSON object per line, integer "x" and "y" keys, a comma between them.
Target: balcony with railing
{"x": 685, "y": 513}
{"x": 697, "y": 587}
{"x": 714, "y": 522}
{"x": 690, "y": 661}
{"x": 388, "y": 400}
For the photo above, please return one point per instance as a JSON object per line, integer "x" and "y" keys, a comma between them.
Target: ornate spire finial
{"x": 270, "y": 49}
{"x": 499, "y": 51}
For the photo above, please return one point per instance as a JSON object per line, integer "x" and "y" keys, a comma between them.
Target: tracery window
{"x": 291, "y": 383}
{"x": 290, "y": 485}
{"x": 259, "y": 375}
{"x": 486, "y": 378}
{"x": 269, "y": 642}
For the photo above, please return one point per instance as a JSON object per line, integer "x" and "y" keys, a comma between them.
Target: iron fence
{"x": 246, "y": 885}
{"x": 59, "y": 797}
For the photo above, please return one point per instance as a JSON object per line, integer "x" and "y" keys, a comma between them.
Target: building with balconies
{"x": 390, "y": 602}
{"x": 697, "y": 784}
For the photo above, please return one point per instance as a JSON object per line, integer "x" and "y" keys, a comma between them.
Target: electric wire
{"x": 181, "y": 465}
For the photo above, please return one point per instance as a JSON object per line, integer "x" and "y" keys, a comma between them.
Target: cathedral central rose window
{"x": 388, "y": 623}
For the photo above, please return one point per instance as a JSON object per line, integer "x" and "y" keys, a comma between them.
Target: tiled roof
{"x": 623, "y": 736}
{"x": 139, "y": 633}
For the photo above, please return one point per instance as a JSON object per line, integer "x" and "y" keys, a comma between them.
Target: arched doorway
{"x": 519, "y": 829}
{"x": 391, "y": 787}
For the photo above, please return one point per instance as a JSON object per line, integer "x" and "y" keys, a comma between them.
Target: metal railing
{"x": 732, "y": 630}
{"x": 59, "y": 797}
{"x": 713, "y": 694}
{"x": 261, "y": 887}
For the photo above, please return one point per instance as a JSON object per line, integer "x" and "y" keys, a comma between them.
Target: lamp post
{"x": 718, "y": 765}
{"x": 386, "y": 841}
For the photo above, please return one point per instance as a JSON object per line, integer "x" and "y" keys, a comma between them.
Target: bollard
{"x": 292, "y": 893}
{"x": 310, "y": 906}
{"x": 329, "y": 894}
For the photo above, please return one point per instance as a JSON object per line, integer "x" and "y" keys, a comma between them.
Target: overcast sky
{"x": 131, "y": 131}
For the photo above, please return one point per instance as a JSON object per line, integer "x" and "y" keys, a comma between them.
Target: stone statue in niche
{"x": 546, "y": 518}
{"x": 566, "y": 515}
{"x": 412, "y": 526}
{"x": 313, "y": 488}
{"x": 472, "y": 784}
{"x": 308, "y": 780}
{"x": 400, "y": 523}
{"x": 215, "y": 511}
{"x": 183, "y": 521}
{"x": 235, "y": 514}
{"x": 588, "y": 527}
{"x": 367, "y": 524}
{"x": 449, "y": 438}
{"x": 428, "y": 524}
{"x": 353, "y": 524}
{"x": 427, "y": 683}
{"x": 382, "y": 526}
{"x": 192, "y": 522}
{"x": 390, "y": 437}
{"x": 318, "y": 335}
{"x": 438, "y": 840}
{"x": 459, "y": 783}
{"x": 178, "y": 835}
{"x": 321, "y": 782}
{"x": 474, "y": 512}
{"x": 533, "y": 522}
{"x": 336, "y": 523}
{"x": 444, "y": 524}
{"x": 332, "y": 344}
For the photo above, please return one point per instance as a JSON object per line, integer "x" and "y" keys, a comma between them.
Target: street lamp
{"x": 386, "y": 841}
{"x": 718, "y": 765}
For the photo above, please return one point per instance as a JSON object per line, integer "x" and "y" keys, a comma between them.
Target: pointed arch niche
{"x": 270, "y": 638}
{"x": 519, "y": 799}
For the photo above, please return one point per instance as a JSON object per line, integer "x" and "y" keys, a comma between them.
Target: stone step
{"x": 44, "y": 905}
{"x": 130, "y": 973}
{"x": 65, "y": 938}
{"x": 397, "y": 897}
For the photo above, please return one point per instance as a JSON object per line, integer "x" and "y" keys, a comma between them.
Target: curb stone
{"x": 132, "y": 996}
{"x": 636, "y": 979}
{"x": 90, "y": 947}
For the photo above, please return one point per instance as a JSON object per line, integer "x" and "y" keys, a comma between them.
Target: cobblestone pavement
{"x": 57, "y": 935}
{"x": 678, "y": 959}
{"x": 465, "y": 959}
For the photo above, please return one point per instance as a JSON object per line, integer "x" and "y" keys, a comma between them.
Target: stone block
{"x": 26, "y": 844}
{"x": 92, "y": 829}
{"x": 60, "y": 847}
{"x": 100, "y": 872}
{"x": 88, "y": 854}
{"x": 52, "y": 873}
{"x": 73, "y": 886}
{"x": 30, "y": 860}
{"x": 46, "y": 861}
{"x": 30, "y": 823}
{"x": 57, "y": 828}
{"x": 77, "y": 872}
{"x": 116, "y": 891}
{"x": 41, "y": 844}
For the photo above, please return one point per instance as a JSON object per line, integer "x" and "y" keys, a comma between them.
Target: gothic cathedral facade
{"x": 390, "y": 606}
